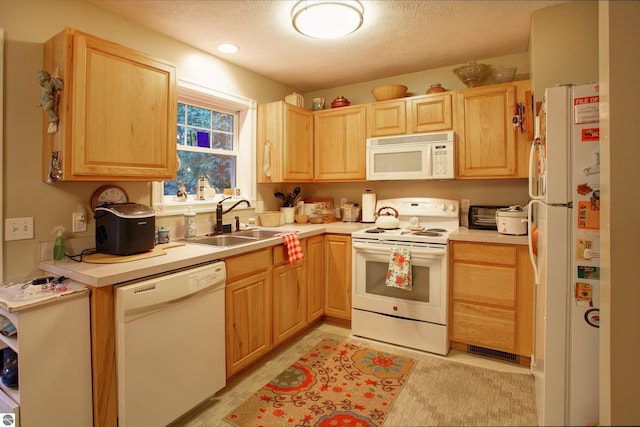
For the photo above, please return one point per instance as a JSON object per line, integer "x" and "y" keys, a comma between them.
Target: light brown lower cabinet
{"x": 289, "y": 295}
{"x": 338, "y": 276}
{"x": 315, "y": 277}
{"x": 491, "y": 297}
{"x": 248, "y": 309}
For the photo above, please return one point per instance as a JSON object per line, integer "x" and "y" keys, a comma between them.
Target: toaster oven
{"x": 483, "y": 217}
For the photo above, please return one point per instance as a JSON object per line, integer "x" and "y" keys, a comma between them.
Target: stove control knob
{"x": 444, "y": 208}
{"x": 453, "y": 208}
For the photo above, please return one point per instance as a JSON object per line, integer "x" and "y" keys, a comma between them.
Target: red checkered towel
{"x": 293, "y": 246}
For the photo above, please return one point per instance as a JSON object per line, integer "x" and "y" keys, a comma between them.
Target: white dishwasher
{"x": 170, "y": 344}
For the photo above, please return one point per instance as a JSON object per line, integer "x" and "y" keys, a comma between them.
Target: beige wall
{"x": 417, "y": 83}
{"x": 564, "y": 45}
{"x": 620, "y": 156}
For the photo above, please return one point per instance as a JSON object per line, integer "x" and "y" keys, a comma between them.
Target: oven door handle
{"x": 383, "y": 248}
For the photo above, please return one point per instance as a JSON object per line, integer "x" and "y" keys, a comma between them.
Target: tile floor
{"x": 243, "y": 385}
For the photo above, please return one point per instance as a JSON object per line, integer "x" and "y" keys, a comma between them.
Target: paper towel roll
{"x": 368, "y": 206}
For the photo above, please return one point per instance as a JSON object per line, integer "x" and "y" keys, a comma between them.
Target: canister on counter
{"x": 189, "y": 224}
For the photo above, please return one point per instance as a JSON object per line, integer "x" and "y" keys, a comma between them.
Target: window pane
{"x": 181, "y": 113}
{"x": 222, "y": 121}
{"x": 197, "y": 116}
{"x": 181, "y": 135}
{"x": 222, "y": 141}
{"x": 219, "y": 170}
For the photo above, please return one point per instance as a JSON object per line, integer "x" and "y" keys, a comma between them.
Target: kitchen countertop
{"x": 179, "y": 257}
{"x": 486, "y": 236}
{"x": 192, "y": 254}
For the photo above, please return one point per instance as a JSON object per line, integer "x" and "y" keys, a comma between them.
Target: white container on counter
{"x": 512, "y": 220}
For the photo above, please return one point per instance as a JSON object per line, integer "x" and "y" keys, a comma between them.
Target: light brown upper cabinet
{"x": 117, "y": 111}
{"x": 431, "y": 113}
{"x": 488, "y": 143}
{"x": 339, "y": 144}
{"x": 386, "y": 118}
{"x": 418, "y": 114}
{"x": 284, "y": 143}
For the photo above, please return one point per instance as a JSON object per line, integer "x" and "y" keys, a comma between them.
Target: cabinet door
{"x": 248, "y": 320}
{"x": 284, "y": 143}
{"x": 289, "y": 301}
{"x": 117, "y": 111}
{"x": 491, "y": 294}
{"x": 387, "y": 118}
{"x": 340, "y": 139}
{"x": 485, "y": 132}
{"x": 431, "y": 113}
{"x": 484, "y": 326}
{"x": 315, "y": 277}
{"x": 338, "y": 276}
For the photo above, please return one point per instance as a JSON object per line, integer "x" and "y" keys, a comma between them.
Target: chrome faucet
{"x": 220, "y": 212}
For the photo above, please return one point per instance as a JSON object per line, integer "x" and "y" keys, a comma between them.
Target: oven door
{"x": 427, "y": 301}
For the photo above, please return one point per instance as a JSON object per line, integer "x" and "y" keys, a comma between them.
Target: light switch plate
{"x": 18, "y": 228}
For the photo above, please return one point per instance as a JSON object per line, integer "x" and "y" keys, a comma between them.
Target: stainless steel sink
{"x": 234, "y": 239}
{"x": 223, "y": 240}
{"x": 258, "y": 234}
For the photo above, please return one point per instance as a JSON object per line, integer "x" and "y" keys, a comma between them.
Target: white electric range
{"x": 414, "y": 318}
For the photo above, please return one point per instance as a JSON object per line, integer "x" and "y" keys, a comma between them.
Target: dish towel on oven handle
{"x": 292, "y": 243}
{"x": 399, "y": 272}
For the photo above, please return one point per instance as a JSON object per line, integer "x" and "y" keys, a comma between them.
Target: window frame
{"x": 246, "y": 109}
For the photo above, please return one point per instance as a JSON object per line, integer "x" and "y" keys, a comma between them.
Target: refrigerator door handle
{"x": 533, "y": 176}
{"x": 530, "y": 243}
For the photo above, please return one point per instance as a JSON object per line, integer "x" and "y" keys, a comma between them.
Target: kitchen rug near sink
{"x": 336, "y": 383}
{"x": 100, "y": 258}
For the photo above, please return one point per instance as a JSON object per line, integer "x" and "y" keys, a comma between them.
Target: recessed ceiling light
{"x": 228, "y": 48}
{"x": 327, "y": 19}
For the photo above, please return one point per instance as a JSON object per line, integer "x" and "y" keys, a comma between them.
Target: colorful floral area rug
{"x": 335, "y": 384}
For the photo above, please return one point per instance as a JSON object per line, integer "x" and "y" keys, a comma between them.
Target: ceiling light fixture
{"x": 227, "y": 48}
{"x": 327, "y": 19}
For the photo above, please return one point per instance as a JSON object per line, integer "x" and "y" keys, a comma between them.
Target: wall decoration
{"x": 50, "y": 87}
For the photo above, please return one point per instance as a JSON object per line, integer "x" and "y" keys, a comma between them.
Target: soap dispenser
{"x": 58, "y": 246}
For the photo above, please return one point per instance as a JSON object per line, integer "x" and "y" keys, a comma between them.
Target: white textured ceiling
{"x": 397, "y": 37}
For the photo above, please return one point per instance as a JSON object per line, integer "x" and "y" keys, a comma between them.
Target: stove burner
{"x": 436, "y": 230}
{"x": 376, "y": 230}
{"x": 428, "y": 233}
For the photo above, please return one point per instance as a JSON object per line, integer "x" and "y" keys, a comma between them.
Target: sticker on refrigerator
{"x": 593, "y": 168}
{"x": 592, "y": 317}
{"x": 590, "y": 134}
{"x": 588, "y": 272}
{"x": 583, "y": 295}
{"x": 588, "y": 217}
{"x": 586, "y": 109}
{"x": 584, "y": 246}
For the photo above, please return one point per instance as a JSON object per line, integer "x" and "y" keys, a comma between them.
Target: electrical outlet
{"x": 78, "y": 222}
{"x": 343, "y": 201}
{"x": 259, "y": 207}
{"x": 18, "y": 228}
{"x": 464, "y": 205}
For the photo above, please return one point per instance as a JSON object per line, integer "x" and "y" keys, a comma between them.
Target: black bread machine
{"x": 124, "y": 228}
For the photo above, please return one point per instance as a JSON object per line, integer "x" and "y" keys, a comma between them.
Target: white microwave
{"x": 416, "y": 156}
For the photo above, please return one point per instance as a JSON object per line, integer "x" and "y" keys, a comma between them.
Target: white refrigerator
{"x": 564, "y": 245}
